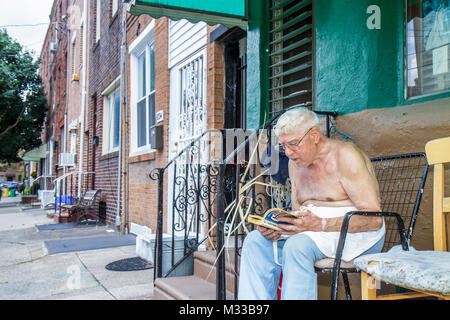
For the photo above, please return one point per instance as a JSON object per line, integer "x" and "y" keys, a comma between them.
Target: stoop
{"x": 201, "y": 285}
{"x": 62, "y": 217}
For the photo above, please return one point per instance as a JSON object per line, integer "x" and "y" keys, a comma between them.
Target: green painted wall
{"x": 358, "y": 68}
{"x": 257, "y": 63}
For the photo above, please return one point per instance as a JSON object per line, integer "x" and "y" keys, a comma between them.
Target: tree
{"x": 22, "y": 101}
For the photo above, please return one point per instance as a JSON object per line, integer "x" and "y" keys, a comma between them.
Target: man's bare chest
{"x": 319, "y": 186}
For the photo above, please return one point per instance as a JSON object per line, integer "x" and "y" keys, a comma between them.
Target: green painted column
{"x": 358, "y": 68}
{"x": 257, "y": 62}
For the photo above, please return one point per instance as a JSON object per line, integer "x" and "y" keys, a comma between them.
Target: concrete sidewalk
{"x": 12, "y": 216}
{"x": 10, "y": 201}
{"x": 28, "y": 271}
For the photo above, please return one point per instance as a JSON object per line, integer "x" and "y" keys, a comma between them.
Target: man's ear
{"x": 315, "y": 134}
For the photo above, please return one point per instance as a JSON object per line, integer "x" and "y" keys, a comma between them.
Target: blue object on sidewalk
{"x": 67, "y": 199}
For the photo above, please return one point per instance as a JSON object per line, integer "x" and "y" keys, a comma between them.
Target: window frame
{"x": 73, "y": 55}
{"x": 406, "y": 79}
{"x": 142, "y": 45}
{"x": 73, "y": 141}
{"x": 98, "y": 14}
{"x": 109, "y": 117}
{"x": 114, "y": 7}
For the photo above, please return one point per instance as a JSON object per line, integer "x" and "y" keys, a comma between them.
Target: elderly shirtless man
{"x": 329, "y": 178}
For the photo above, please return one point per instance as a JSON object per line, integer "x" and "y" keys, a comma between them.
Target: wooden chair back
{"x": 89, "y": 198}
{"x": 438, "y": 154}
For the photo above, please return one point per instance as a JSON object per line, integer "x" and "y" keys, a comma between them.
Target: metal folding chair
{"x": 422, "y": 272}
{"x": 401, "y": 180}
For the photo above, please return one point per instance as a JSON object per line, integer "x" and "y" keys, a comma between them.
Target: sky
{"x": 26, "y": 12}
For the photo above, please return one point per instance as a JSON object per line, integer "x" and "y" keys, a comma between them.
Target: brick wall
{"x": 74, "y": 94}
{"x": 141, "y": 191}
{"x": 104, "y": 68}
{"x": 215, "y": 89}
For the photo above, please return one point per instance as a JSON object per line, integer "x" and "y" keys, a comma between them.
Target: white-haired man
{"x": 329, "y": 178}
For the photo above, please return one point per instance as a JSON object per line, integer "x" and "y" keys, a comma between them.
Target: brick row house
{"x": 104, "y": 102}
{"x": 54, "y": 73}
{"x": 169, "y": 62}
{"x": 127, "y": 93}
{"x": 64, "y": 64}
{"x": 81, "y": 72}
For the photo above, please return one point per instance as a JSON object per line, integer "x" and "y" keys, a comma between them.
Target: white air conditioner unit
{"x": 52, "y": 46}
{"x": 66, "y": 159}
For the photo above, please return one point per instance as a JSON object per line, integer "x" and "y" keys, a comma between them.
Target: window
{"x": 114, "y": 7}
{"x": 291, "y": 54}
{"x": 81, "y": 45}
{"x": 73, "y": 58}
{"x": 142, "y": 90}
{"x": 63, "y": 140}
{"x": 98, "y": 14}
{"x": 146, "y": 96}
{"x": 73, "y": 141}
{"x": 111, "y": 117}
{"x": 427, "y": 47}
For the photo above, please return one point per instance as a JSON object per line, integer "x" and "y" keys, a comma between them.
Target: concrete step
{"x": 185, "y": 288}
{"x": 201, "y": 285}
{"x": 205, "y": 268}
{"x": 62, "y": 217}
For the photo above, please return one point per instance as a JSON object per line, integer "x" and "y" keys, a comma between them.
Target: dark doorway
{"x": 235, "y": 48}
{"x": 234, "y": 42}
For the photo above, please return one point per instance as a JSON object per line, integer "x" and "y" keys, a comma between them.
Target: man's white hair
{"x": 296, "y": 120}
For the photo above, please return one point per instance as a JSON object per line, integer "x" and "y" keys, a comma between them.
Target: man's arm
{"x": 360, "y": 183}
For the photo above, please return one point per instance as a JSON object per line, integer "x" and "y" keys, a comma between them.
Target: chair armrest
{"x": 349, "y": 215}
{"x": 343, "y": 235}
{"x": 76, "y": 200}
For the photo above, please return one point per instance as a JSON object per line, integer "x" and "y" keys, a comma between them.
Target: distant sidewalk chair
{"x": 426, "y": 273}
{"x": 84, "y": 208}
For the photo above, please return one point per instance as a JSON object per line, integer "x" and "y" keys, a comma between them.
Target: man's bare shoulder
{"x": 350, "y": 156}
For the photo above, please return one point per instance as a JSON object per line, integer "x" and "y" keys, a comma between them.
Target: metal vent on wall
{"x": 291, "y": 56}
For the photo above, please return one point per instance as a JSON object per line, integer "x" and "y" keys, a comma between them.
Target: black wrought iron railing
{"x": 214, "y": 182}
{"x": 191, "y": 196}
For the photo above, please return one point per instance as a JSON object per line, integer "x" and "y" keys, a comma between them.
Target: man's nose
{"x": 287, "y": 152}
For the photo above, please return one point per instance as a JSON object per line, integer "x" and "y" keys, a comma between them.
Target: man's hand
{"x": 306, "y": 221}
{"x": 269, "y": 234}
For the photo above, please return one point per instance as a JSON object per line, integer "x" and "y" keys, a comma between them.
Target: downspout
{"x": 83, "y": 95}
{"x": 67, "y": 102}
{"x": 126, "y": 225}
{"x": 119, "y": 167}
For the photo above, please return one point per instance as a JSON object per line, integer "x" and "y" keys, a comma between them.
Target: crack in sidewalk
{"x": 95, "y": 278}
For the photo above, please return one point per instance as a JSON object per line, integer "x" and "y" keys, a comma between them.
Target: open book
{"x": 270, "y": 219}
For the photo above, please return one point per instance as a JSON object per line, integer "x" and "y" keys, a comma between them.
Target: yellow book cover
{"x": 270, "y": 219}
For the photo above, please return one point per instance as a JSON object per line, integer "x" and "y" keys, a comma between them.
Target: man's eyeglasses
{"x": 292, "y": 146}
